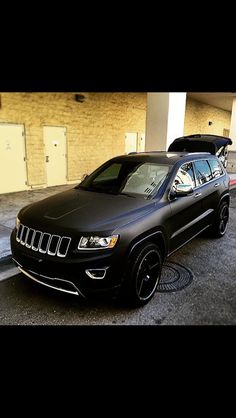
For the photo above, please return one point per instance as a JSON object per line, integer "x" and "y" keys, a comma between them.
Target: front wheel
{"x": 219, "y": 227}
{"x": 143, "y": 275}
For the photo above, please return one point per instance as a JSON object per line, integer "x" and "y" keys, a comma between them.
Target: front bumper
{"x": 69, "y": 274}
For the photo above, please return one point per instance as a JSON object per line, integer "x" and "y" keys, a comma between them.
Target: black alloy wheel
{"x": 219, "y": 227}
{"x": 224, "y": 218}
{"x": 143, "y": 275}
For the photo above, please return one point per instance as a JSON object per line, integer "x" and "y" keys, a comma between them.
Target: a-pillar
{"x": 231, "y": 167}
{"x": 164, "y": 119}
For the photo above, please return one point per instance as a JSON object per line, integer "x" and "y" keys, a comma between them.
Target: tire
{"x": 219, "y": 227}
{"x": 142, "y": 275}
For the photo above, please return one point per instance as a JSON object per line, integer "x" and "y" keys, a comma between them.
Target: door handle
{"x": 47, "y": 158}
{"x": 197, "y": 194}
{"x": 216, "y": 184}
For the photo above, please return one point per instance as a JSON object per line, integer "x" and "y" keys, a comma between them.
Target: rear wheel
{"x": 143, "y": 275}
{"x": 219, "y": 227}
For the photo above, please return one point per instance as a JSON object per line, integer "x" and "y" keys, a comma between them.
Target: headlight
{"x": 94, "y": 242}
{"x": 17, "y": 222}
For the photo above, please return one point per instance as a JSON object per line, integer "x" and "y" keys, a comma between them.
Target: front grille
{"x": 43, "y": 242}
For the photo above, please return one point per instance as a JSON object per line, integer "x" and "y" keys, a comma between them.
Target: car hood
{"x": 80, "y": 210}
{"x": 199, "y": 143}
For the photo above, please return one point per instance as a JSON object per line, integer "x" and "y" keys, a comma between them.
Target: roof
{"x": 161, "y": 157}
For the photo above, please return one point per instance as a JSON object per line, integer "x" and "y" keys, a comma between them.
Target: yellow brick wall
{"x": 95, "y": 129}
{"x": 198, "y": 115}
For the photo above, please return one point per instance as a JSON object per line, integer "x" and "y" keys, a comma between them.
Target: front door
{"x": 13, "y": 175}
{"x": 55, "y": 154}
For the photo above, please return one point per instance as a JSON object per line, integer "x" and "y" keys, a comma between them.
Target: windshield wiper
{"x": 97, "y": 190}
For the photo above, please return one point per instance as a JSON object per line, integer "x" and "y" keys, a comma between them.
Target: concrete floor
{"x": 210, "y": 299}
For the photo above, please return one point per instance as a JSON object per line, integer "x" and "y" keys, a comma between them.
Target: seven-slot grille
{"x": 42, "y": 241}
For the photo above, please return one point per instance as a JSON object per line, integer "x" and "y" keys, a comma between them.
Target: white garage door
{"x": 55, "y": 154}
{"x": 13, "y": 175}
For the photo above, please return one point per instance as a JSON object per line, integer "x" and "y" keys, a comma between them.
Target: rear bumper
{"x": 69, "y": 275}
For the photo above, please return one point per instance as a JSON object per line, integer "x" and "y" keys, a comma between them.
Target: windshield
{"x": 127, "y": 177}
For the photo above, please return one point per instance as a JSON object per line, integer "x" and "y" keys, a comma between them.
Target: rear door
{"x": 210, "y": 184}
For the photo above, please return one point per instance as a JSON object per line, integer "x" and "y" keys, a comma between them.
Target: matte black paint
{"x": 200, "y": 143}
{"x": 169, "y": 221}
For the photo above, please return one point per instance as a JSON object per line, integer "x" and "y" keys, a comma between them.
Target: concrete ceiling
{"x": 222, "y": 100}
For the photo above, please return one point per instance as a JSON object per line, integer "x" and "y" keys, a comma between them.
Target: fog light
{"x": 96, "y": 273}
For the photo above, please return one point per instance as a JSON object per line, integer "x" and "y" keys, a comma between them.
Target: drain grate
{"x": 174, "y": 277}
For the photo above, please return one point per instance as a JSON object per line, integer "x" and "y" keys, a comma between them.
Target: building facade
{"x": 51, "y": 138}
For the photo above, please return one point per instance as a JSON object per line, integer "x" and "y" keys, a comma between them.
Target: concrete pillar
{"x": 232, "y": 132}
{"x": 164, "y": 119}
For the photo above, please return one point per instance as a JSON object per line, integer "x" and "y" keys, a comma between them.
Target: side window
{"x": 185, "y": 175}
{"x": 216, "y": 169}
{"x": 203, "y": 172}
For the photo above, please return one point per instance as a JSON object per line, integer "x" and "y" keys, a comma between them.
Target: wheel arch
{"x": 225, "y": 198}
{"x": 156, "y": 237}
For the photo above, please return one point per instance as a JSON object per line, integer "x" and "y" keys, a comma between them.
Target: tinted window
{"x": 127, "y": 177}
{"x": 215, "y": 168}
{"x": 185, "y": 175}
{"x": 203, "y": 172}
{"x": 146, "y": 178}
{"x": 110, "y": 173}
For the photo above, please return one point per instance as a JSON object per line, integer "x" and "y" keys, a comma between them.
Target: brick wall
{"x": 95, "y": 129}
{"x": 231, "y": 168}
{"x": 199, "y": 114}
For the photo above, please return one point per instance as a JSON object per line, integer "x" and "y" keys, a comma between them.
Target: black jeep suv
{"x": 113, "y": 231}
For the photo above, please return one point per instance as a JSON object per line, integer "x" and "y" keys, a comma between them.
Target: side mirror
{"x": 183, "y": 190}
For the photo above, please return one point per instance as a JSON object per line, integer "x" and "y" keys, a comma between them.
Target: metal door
{"x": 130, "y": 142}
{"x": 13, "y": 174}
{"x": 55, "y": 154}
{"x": 141, "y": 142}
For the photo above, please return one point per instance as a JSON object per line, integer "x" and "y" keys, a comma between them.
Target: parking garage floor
{"x": 208, "y": 297}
